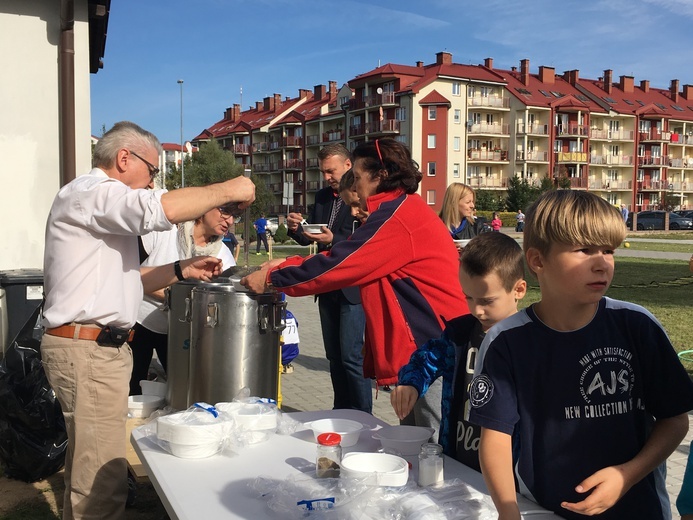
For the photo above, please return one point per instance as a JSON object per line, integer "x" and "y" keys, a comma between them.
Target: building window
{"x": 471, "y": 91}
{"x": 456, "y": 144}
{"x": 456, "y": 88}
{"x": 401, "y": 114}
{"x": 432, "y": 112}
{"x": 458, "y": 116}
{"x": 431, "y": 168}
{"x": 431, "y": 197}
{"x": 473, "y": 171}
{"x": 431, "y": 141}
{"x": 456, "y": 170}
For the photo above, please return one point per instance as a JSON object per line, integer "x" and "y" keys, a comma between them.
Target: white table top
{"x": 217, "y": 487}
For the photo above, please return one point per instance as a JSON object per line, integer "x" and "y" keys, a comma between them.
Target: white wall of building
{"x": 29, "y": 122}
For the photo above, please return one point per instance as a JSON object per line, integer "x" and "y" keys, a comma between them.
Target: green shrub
{"x": 281, "y": 235}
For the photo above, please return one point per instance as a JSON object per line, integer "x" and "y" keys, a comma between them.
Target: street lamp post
{"x": 182, "y": 143}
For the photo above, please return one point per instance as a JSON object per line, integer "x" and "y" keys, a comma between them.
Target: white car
{"x": 272, "y": 226}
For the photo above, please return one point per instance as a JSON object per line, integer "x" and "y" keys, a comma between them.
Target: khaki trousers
{"x": 91, "y": 383}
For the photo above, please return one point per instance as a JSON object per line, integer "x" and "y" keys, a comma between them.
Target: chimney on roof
{"x": 443, "y": 58}
{"x": 513, "y": 69}
{"x": 303, "y": 93}
{"x": 319, "y": 91}
{"x": 278, "y": 101}
{"x": 259, "y": 105}
{"x": 419, "y": 64}
{"x": 524, "y": 71}
{"x": 488, "y": 63}
{"x": 571, "y": 76}
{"x": 644, "y": 85}
{"x": 268, "y": 103}
{"x": 674, "y": 89}
{"x": 333, "y": 88}
{"x": 547, "y": 75}
{"x": 688, "y": 92}
{"x": 608, "y": 79}
{"x": 627, "y": 83}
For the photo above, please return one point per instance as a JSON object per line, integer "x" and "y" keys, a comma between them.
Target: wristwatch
{"x": 178, "y": 270}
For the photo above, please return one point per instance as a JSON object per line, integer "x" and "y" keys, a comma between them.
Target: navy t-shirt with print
{"x": 579, "y": 401}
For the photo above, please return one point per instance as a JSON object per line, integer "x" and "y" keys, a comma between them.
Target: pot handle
{"x": 187, "y": 315}
{"x": 167, "y": 299}
{"x": 278, "y": 324}
{"x": 263, "y": 317}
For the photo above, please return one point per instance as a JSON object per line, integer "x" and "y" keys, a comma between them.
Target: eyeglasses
{"x": 226, "y": 212}
{"x": 153, "y": 170}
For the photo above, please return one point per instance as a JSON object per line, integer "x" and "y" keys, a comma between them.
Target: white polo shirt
{"x": 91, "y": 261}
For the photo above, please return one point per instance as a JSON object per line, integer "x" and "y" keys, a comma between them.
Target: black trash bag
{"x": 33, "y": 438}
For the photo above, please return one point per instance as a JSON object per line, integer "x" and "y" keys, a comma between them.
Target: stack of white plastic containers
{"x": 153, "y": 398}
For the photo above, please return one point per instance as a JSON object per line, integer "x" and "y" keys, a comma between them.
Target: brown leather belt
{"x": 90, "y": 332}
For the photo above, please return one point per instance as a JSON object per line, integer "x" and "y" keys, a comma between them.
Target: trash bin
{"x": 23, "y": 294}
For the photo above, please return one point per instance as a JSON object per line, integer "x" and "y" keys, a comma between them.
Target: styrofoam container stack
{"x": 375, "y": 469}
{"x": 349, "y": 430}
{"x": 258, "y": 421}
{"x": 156, "y": 388}
{"x": 143, "y": 405}
{"x": 191, "y": 435}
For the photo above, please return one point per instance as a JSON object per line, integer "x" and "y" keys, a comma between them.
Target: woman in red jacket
{"x": 402, "y": 259}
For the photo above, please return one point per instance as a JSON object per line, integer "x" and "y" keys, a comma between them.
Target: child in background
{"x": 588, "y": 390}
{"x": 496, "y": 222}
{"x": 492, "y": 278}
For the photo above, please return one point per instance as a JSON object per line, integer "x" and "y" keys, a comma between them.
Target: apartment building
{"x": 479, "y": 125}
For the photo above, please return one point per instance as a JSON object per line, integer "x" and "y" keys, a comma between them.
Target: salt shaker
{"x": 329, "y": 455}
{"x": 430, "y": 464}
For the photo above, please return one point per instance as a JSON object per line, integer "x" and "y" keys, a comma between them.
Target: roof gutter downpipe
{"x": 66, "y": 78}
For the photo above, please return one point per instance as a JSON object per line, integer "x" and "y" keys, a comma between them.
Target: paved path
{"x": 309, "y": 388}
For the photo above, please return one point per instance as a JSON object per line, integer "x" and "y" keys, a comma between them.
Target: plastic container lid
{"x": 329, "y": 439}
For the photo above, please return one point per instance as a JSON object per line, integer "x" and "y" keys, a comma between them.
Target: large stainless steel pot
{"x": 234, "y": 343}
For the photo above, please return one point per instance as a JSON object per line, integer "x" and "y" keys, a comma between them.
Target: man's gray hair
{"x": 123, "y": 135}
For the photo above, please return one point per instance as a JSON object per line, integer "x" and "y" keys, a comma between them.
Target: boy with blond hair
{"x": 587, "y": 389}
{"x": 492, "y": 276}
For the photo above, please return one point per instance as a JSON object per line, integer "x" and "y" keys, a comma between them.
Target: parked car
{"x": 655, "y": 220}
{"x": 686, "y": 213}
{"x": 272, "y": 225}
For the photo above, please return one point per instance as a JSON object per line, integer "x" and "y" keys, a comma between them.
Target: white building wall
{"x": 29, "y": 122}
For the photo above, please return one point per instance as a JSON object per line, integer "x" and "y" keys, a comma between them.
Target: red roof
{"x": 435, "y": 98}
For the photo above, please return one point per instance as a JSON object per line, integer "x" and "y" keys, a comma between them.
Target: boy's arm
{"x": 402, "y": 399}
{"x": 608, "y": 485}
{"x": 496, "y": 459}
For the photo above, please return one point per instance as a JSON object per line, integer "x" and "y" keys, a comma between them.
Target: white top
{"x": 163, "y": 249}
{"x": 218, "y": 486}
{"x": 91, "y": 262}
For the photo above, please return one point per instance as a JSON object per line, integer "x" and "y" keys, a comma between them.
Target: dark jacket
{"x": 480, "y": 226}
{"x": 342, "y": 229}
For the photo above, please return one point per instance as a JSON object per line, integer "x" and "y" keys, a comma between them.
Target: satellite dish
{"x": 379, "y": 90}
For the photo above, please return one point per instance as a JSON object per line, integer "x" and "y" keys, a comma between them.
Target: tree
{"x": 486, "y": 200}
{"x": 520, "y": 194}
{"x": 669, "y": 201}
{"x": 214, "y": 164}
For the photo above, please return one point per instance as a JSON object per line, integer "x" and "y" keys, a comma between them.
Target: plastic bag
{"x": 33, "y": 438}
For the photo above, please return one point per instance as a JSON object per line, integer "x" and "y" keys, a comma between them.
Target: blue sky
{"x": 279, "y": 46}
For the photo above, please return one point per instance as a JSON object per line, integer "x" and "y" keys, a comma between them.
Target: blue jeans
{"x": 343, "y": 326}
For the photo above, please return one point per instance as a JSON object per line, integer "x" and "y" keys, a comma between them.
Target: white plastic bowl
{"x": 349, "y": 430}
{"x": 191, "y": 436}
{"x": 143, "y": 405}
{"x": 156, "y": 388}
{"x": 376, "y": 469}
{"x": 313, "y": 228}
{"x": 405, "y": 440}
{"x": 258, "y": 422}
{"x": 462, "y": 243}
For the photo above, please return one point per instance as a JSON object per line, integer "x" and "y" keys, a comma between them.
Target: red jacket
{"x": 407, "y": 269}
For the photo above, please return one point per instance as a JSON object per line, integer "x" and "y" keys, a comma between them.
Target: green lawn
{"x": 659, "y": 246}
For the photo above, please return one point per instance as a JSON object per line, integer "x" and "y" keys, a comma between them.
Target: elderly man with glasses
{"x": 93, "y": 286}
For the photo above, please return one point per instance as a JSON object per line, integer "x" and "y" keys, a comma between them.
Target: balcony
{"x": 260, "y": 147}
{"x": 654, "y": 185}
{"x": 521, "y": 155}
{"x": 488, "y": 155}
{"x": 292, "y": 142}
{"x": 241, "y": 149}
{"x": 609, "y": 185}
{"x": 490, "y": 102}
{"x": 487, "y": 128}
{"x": 535, "y": 129}
{"x": 276, "y": 187}
{"x": 481, "y": 182}
{"x": 612, "y": 160}
{"x": 611, "y": 135}
{"x": 375, "y": 100}
{"x": 273, "y": 145}
{"x": 681, "y": 138}
{"x": 683, "y": 186}
{"x": 312, "y": 140}
{"x": 313, "y": 162}
{"x": 571, "y": 130}
{"x": 333, "y": 135}
{"x": 654, "y": 135}
{"x": 571, "y": 157}
{"x": 648, "y": 160}
{"x": 383, "y": 127}
{"x": 291, "y": 164}
{"x": 261, "y": 168}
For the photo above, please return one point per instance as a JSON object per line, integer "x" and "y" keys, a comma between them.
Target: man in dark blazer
{"x": 341, "y": 314}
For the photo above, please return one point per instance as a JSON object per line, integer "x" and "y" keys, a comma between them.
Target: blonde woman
{"x": 458, "y": 212}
